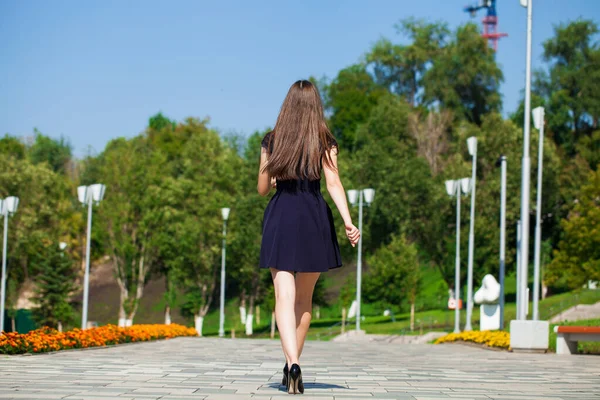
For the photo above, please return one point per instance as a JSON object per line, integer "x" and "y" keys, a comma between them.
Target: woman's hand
{"x": 352, "y": 233}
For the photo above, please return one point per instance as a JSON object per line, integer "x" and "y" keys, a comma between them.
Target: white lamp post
{"x": 525, "y": 171}
{"x": 472, "y": 145}
{"x": 88, "y": 196}
{"x": 8, "y": 207}
{"x": 453, "y": 188}
{"x": 225, "y": 215}
{"x": 538, "y": 121}
{"x": 353, "y": 195}
{"x": 502, "y": 162}
{"x": 519, "y": 232}
{"x": 526, "y": 335}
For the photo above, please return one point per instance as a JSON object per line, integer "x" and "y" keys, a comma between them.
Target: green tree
{"x": 191, "y": 199}
{"x": 131, "y": 215}
{"x": 54, "y": 286}
{"x": 163, "y": 136}
{"x": 158, "y": 122}
{"x": 387, "y": 161}
{"x": 588, "y": 147}
{"x": 577, "y": 258}
{"x": 45, "y": 214}
{"x": 245, "y": 235}
{"x": 170, "y": 295}
{"x": 56, "y": 153}
{"x": 394, "y": 274}
{"x": 571, "y": 88}
{"x": 350, "y": 98}
{"x": 197, "y": 267}
{"x": 402, "y": 68}
{"x": 12, "y": 147}
{"x": 12, "y": 296}
{"x": 464, "y": 77}
{"x": 348, "y": 292}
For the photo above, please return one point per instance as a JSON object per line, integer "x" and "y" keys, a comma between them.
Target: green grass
{"x": 431, "y": 313}
{"x": 556, "y": 304}
{"x": 425, "y": 321}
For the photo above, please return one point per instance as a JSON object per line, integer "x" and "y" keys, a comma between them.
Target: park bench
{"x": 568, "y": 336}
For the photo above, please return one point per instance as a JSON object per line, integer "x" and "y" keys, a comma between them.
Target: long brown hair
{"x": 300, "y": 140}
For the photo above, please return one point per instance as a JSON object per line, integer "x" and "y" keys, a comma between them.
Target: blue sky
{"x": 95, "y": 70}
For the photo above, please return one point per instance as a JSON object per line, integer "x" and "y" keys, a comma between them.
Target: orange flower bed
{"x": 46, "y": 339}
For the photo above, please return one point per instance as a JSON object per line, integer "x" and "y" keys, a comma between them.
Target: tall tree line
{"x": 401, "y": 117}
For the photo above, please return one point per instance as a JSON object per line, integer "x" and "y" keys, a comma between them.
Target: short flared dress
{"x": 298, "y": 229}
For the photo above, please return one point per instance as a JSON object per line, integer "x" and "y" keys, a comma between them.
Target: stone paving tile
{"x": 222, "y": 369}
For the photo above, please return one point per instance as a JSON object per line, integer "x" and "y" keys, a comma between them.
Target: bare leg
{"x": 285, "y": 294}
{"x": 305, "y": 286}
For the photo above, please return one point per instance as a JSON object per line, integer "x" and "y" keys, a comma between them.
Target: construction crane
{"x": 490, "y": 21}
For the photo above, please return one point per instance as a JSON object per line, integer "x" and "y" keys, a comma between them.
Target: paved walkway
{"x": 210, "y": 368}
{"x": 577, "y": 313}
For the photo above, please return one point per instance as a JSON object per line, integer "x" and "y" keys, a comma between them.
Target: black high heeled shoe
{"x": 295, "y": 384}
{"x": 284, "y": 381}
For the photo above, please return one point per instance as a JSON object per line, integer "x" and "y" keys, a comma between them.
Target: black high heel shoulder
{"x": 295, "y": 384}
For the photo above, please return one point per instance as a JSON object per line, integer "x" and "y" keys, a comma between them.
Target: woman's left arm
{"x": 264, "y": 180}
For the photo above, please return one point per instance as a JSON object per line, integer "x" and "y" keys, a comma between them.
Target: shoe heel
{"x": 295, "y": 385}
{"x": 284, "y": 380}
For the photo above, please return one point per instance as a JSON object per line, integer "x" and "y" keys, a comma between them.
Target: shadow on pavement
{"x": 309, "y": 386}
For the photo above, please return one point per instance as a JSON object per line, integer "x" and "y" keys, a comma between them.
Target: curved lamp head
{"x": 352, "y": 196}
{"x": 450, "y": 187}
{"x": 465, "y": 184}
{"x": 538, "y": 117}
{"x": 472, "y": 145}
{"x": 369, "y": 194}
{"x": 93, "y": 192}
{"x": 225, "y": 213}
{"x": 524, "y": 3}
{"x": 82, "y": 194}
{"x": 97, "y": 192}
{"x": 10, "y": 205}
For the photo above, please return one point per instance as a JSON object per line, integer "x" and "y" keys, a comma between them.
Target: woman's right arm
{"x": 264, "y": 184}
{"x": 338, "y": 195}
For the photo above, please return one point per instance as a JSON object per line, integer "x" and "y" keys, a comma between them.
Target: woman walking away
{"x": 299, "y": 240}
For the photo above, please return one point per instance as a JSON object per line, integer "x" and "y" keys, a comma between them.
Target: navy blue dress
{"x": 298, "y": 230}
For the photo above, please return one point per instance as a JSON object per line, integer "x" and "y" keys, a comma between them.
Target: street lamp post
{"x": 453, "y": 188}
{"x": 526, "y": 335}
{"x": 225, "y": 215}
{"x": 88, "y": 196}
{"x": 8, "y": 207}
{"x": 502, "y": 161}
{"x": 525, "y": 170}
{"x": 368, "y": 195}
{"x": 519, "y": 271}
{"x": 538, "y": 121}
{"x": 472, "y": 146}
